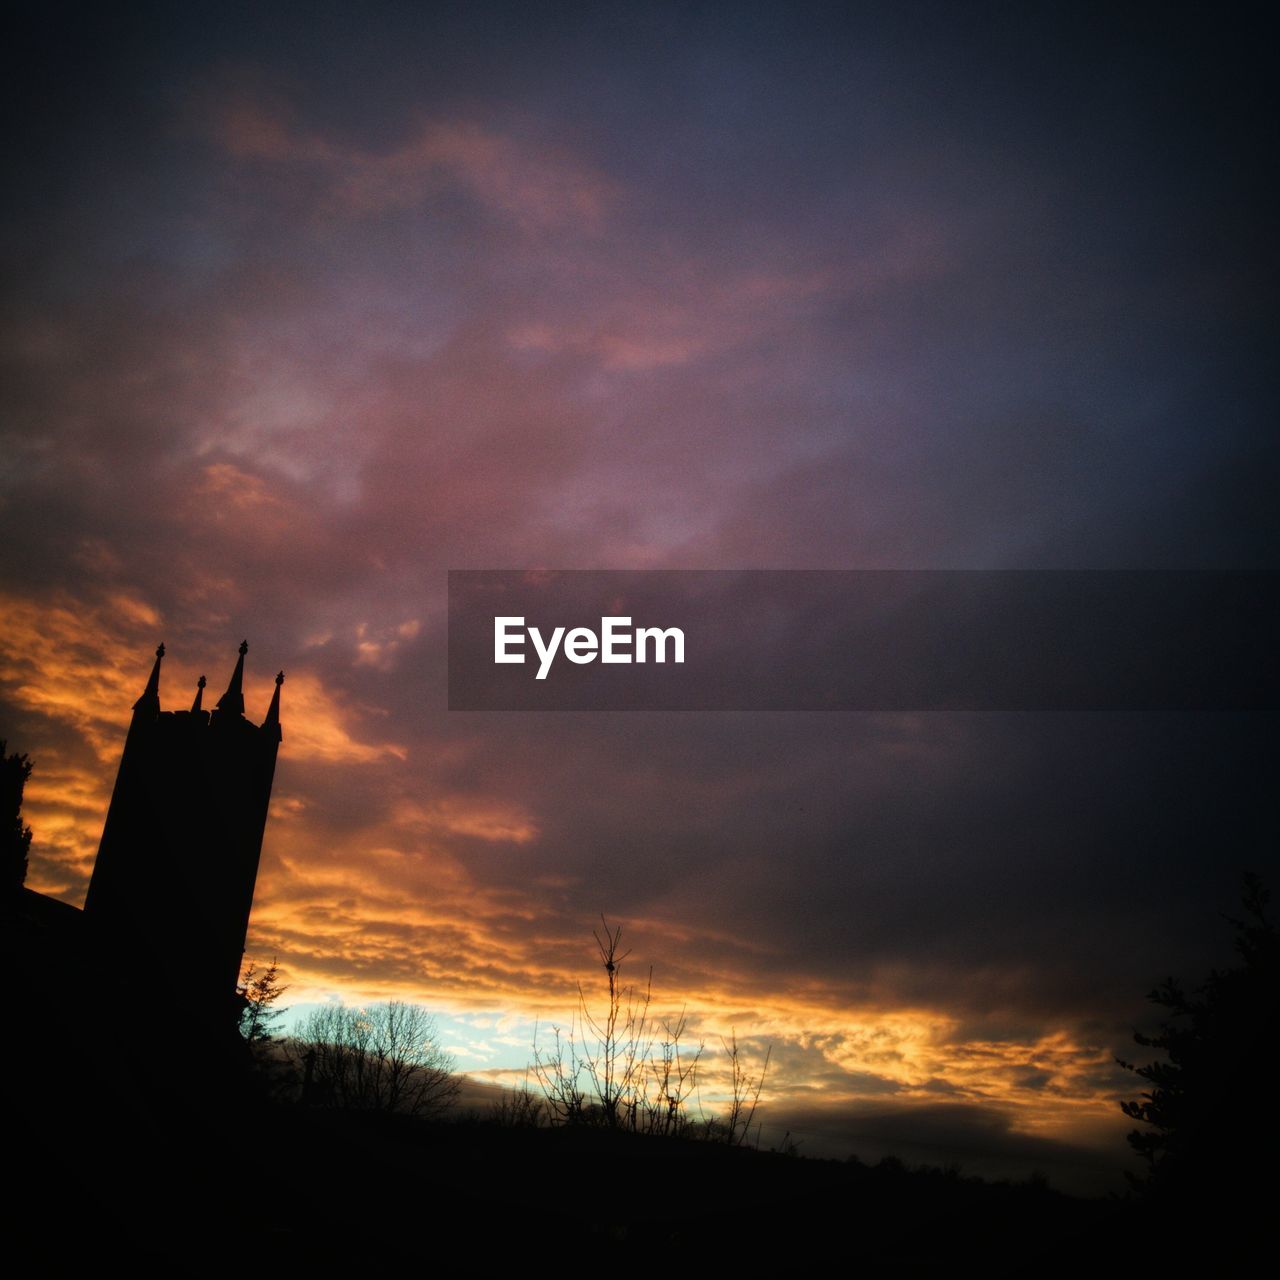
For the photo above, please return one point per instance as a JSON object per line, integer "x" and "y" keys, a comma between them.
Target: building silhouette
{"x": 178, "y": 859}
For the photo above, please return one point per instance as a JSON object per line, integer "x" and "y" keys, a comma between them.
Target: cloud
{"x": 534, "y": 187}
{"x": 980, "y": 1140}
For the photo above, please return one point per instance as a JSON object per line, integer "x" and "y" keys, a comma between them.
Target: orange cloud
{"x": 77, "y": 666}
{"x": 386, "y": 900}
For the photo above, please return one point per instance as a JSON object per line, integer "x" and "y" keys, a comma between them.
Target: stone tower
{"x": 173, "y": 882}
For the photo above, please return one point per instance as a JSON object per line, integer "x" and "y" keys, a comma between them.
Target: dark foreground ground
{"x": 114, "y": 1168}
{"x": 259, "y": 1184}
{"x": 134, "y": 1137}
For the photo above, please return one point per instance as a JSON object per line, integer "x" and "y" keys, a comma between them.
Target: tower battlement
{"x": 178, "y": 859}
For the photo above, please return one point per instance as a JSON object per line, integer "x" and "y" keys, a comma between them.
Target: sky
{"x": 307, "y": 305}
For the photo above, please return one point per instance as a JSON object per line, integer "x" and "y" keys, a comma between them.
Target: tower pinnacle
{"x": 150, "y": 700}
{"x": 233, "y": 700}
{"x": 272, "y": 723}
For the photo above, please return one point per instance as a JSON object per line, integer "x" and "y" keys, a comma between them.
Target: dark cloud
{"x": 977, "y": 1140}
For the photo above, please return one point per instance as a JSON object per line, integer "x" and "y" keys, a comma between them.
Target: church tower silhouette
{"x": 178, "y": 859}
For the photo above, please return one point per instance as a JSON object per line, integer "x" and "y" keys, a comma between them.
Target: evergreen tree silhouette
{"x": 1208, "y": 1111}
{"x": 15, "y": 838}
{"x": 260, "y": 989}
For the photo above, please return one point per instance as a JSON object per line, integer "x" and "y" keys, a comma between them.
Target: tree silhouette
{"x": 746, "y": 1087}
{"x": 596, "y": 1072}
{"x": 620, "y": 1067}
{"x": 1208, "y": 1107}
{"x": 385, "y": 1057}
{"x": 260, "y": 989}
{"x": 15, "y": 838}
{"x": 617, "y": 1066}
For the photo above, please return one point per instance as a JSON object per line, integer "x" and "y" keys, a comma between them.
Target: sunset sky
{"x": 307, "y": 304}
